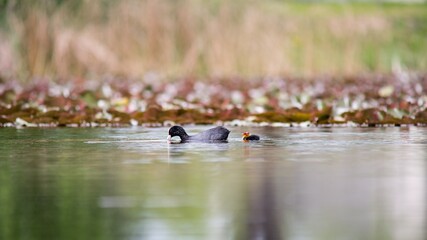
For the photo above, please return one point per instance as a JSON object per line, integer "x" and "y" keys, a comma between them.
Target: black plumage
{"x": 213, "y": 134}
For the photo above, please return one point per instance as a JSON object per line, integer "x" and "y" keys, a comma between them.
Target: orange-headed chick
{"x": 246, "y": 136}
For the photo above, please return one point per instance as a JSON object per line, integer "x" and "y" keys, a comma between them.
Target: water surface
{"x": 296, "y": 183}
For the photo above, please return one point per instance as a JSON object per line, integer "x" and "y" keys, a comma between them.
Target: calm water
{"x": 297, "y": 183}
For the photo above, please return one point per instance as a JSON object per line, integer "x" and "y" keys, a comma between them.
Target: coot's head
{"x": 177, "y": 131}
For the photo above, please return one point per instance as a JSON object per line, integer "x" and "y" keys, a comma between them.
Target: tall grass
{"x": 205, "y": 38}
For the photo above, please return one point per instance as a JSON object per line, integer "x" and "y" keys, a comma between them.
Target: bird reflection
{"x": 179, "y": 152}
{"x": 263, "y": 211}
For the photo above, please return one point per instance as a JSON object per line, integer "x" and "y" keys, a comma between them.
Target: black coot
{"x": 246, "y": 136}
{"x": 213, "y": 134}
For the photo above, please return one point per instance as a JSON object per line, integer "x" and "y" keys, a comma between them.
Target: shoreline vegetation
{"x": 364, "y": 100}
{"x": 155, "y": 63}
{"x": 130, "y": 38}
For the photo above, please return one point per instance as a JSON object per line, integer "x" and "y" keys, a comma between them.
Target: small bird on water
{"x": 246, "y": 136}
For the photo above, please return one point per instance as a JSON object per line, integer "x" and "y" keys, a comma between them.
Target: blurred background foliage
{"x": 130, "y": 38}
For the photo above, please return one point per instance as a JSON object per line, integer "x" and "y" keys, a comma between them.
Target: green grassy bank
{"x": 209, "y": 38}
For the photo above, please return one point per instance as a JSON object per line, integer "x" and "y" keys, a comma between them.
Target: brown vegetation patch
{"x": 366, "y": 100}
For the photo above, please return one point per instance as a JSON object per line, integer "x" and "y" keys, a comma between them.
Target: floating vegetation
{"x": 365, "y": 100}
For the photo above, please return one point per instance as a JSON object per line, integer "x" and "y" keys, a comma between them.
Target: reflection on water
{"x": 297, "y": 183}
